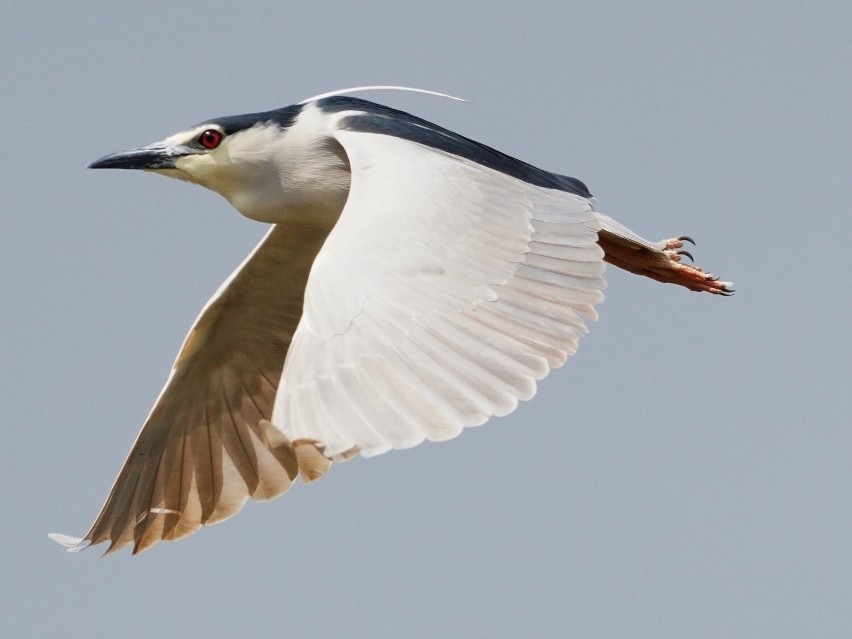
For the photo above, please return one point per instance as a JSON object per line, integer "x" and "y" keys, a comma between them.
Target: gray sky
{"x": 686, "y": 474}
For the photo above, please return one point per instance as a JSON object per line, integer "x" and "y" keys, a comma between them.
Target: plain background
{"x": 687, "y": 474}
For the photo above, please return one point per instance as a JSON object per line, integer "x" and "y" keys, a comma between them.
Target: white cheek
{"x": 200, "y": 169}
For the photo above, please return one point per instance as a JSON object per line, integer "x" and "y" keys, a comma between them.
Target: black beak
{"x": 153, "y": 157}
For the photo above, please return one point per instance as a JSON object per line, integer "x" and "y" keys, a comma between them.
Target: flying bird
{"x": 413, "y": 282}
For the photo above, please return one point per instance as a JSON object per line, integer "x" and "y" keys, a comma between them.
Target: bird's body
{"x": 414, "y": 282}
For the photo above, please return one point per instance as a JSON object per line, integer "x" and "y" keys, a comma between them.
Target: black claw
{"x": 687, "y": 253}
{"x": 686, "y": 238}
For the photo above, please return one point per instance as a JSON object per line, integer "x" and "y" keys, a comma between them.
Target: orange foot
{"x": 663, "y": 265}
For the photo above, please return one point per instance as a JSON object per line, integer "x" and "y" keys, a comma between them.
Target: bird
{"x": 413, "y": 283}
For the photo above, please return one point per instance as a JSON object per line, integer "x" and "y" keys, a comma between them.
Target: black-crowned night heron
{"x": 414, "y": 282}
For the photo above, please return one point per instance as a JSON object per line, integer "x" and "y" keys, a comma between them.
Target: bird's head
{"x": 269, "y": 165}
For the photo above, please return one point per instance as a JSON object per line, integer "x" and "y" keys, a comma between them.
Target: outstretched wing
{"x": 444, "y": 291}
{"x": 206, "y": 447}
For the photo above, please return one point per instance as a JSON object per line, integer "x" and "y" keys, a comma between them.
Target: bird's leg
{"x": 661, "y": 261}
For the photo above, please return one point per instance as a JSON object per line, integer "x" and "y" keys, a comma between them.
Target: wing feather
{"x": 206, "y": 447}
{"x": 443, "y": 293}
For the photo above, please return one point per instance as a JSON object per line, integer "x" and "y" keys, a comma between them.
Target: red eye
{"x": 210, "y": 139}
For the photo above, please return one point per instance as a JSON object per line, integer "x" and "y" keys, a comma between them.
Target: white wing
{"x": 205, "y": 448}
{"x": 444, "y": 291}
